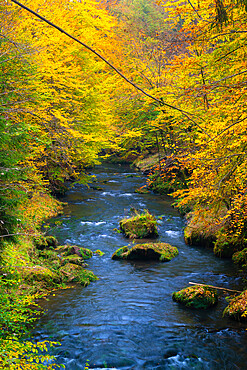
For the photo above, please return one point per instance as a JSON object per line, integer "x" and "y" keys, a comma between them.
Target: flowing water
{"x": 127, "y": 319}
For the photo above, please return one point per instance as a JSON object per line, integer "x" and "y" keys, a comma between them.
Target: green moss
{"x": 162, "y": 252}
{"x": 120, "y": 253}
{"x": 75, "y": 273}
{"x": 139, "y": 226}
{"x": 42, "y": 242}
{"x": 226, "y": 247}
{"x": 38, "y": 273}
{"x": 240, "y": 258}
{"x": 49, "y": 254}
{"x": 51, "y": 241}
{"x": 195, "y": 235}
{"x": 99, "y": 252}
{"x": 86, "y": 253}
{"x": 73, "y": 259}
{"x": 237, "y": 307}
{"x": 200, "y": 297}
{"x": 71, "y": 250}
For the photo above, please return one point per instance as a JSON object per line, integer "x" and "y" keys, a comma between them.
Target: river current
{"x": 127, "y": 319}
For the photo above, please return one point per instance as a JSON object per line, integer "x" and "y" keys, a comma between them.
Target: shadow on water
{"x": 127, "y": 319}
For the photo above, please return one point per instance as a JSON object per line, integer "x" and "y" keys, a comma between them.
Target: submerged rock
{"x": 148, "y": 251}
{"x": 139, "y": 226}
{"x": 196, "y": 296}
{"x": 237, "y": 308}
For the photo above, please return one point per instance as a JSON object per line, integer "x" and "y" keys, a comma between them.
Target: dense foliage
{"x": 61, "y": 107}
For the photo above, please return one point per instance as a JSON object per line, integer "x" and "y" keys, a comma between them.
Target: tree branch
{"x": 159, "y": 101}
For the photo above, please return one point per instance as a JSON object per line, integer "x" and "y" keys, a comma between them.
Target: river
{"x": 127, "y": 319}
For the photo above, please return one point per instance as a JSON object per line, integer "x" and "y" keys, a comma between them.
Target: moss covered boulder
{"x": 42, "y": 242}
{"x": 69, "y": 250}
{"x": 75, "y": 273}
{"x": 240, "y": 258}
{"x": 76, "y": 260}
{"x": 226, "y": 247}
{"x": 237, "y": 308}
{"x": 139, "y": 226}
{"x": 147, "y": 251}
{"x": 197, "y": 296}
{"x": 38, "y": 273}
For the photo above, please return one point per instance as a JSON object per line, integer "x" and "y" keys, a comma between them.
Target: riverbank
{"x": 33, "y": 266}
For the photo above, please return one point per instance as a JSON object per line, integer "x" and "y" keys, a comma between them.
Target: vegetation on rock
{"x": 162, "y": 252}
{"x": 199, "y": 297}
{"x": 139, "y": 226}
{"x": 237, "y": 308}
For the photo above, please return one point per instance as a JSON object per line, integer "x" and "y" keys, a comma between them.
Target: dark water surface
{"x": 127, "y": 319}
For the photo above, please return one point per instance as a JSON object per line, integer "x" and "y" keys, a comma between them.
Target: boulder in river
{"x": 237, "y": 308}
{"x": 196, "y": 296}
{"x": 139, "y": 226}
{"x": 162, "y": 252}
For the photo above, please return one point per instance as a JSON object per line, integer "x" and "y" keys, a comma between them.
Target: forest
{"x": 176, "y": 94}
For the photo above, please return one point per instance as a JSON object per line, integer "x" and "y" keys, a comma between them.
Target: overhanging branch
{"x": 159, "y": 101}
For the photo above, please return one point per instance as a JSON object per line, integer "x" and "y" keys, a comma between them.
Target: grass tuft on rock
{"x": 139, "y": 226}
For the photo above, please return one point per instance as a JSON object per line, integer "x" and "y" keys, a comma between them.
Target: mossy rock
{"x": 75, "y": 273}
{"x": 225, "y": 249}
{"x": 240, "y": 258}
{"x": 99, "y": 252}
{"x": 120, "y": 253}
{"x": 69, "y": 250}
{"x": 162, "y": 252}
{"x": 49, "y": 254}
{"x": 197, "y": 237}
{"x": 86, "y": 253}
{"x": 42, "y": 242}
{"x": 51, "y": 241}
{"x": 197, "y": 296}
{"x": 76, "y": 260}
{"x": 139, "y": 226}
{"x": 237, "y": 307}
{"x": 38, "y": 273}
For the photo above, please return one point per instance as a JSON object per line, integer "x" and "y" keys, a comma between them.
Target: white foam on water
{"x": 172, "y": 233}
{"x": 126, "y": 195}
{"x": 94, "y": 223}
{"x": 108, "y": 193}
